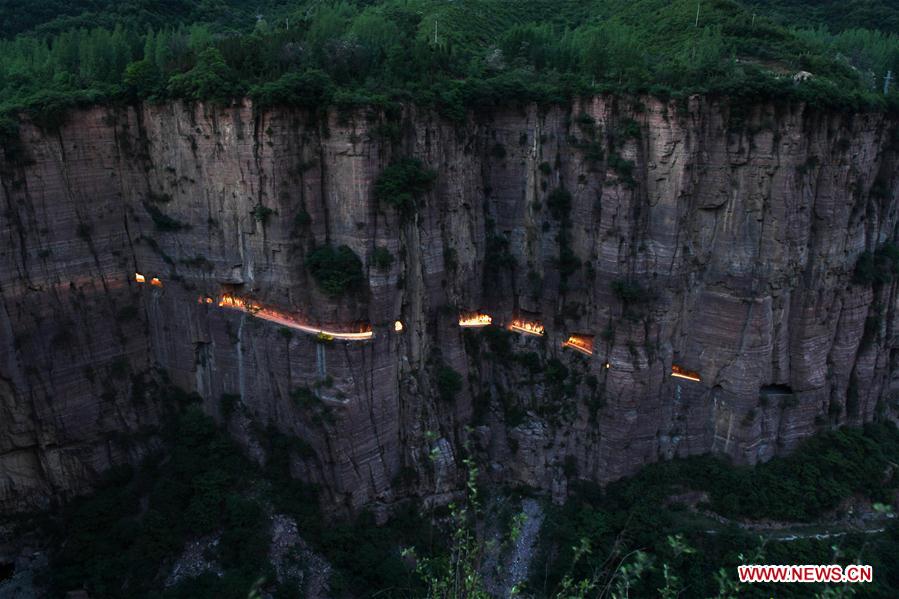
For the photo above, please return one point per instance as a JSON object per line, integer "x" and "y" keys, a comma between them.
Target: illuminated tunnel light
{"x": 683, "y": 373}
{"x": 272, "y": 315}
{"x": 140, "y": 278}
{"x": 155, "y": 282}
{"x": 475, "y": 319}
{"x": 527, "y": 327}
{"x": 398, "y": 326}
{"x": 581, "y": 343}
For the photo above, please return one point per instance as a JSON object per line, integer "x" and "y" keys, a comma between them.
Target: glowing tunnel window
{"x": 581, "y": 343}
{"x": 155, "y": 282}
{"x": 363, "y": 331}
{"x": 527, "y": 327}
{"x": 398, "y": 326}
{"x": 683, "y": 373}
{"x": 140, "y": 278}
{"x": 474, "y": 319}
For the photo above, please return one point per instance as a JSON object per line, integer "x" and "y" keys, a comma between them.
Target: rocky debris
{"x": 295, "y": 562}
{"x": 733, "y": 235}
{"x": 194, "y": 560}
{"x": 508, "y": 561}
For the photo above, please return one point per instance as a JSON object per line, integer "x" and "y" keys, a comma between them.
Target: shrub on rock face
{"x": 402, "y": 183}
{"x": 336, "y": 270}
{"x": 877, "y": 268}
{"x": 559, "y": 203}
{"x": 381, "y": 258}
{"x": 631, "y": 292}
{"x": 449, "y": 383}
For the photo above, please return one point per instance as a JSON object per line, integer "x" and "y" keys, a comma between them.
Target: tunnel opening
{"x": 683, "y": 373}
{"x": 778, "y": 389}
{"x": 140, "y": 278}
{"x": 474, "y": 319}
{"x": 358, "y": 331}
{"x": 581, "y": 343}
{"x": 527, "y": 326}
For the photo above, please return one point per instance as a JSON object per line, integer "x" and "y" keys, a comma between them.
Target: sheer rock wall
{"x": 737, "y": 235}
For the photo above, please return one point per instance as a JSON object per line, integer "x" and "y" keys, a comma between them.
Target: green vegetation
{"x": 878, "y": 267}
{"x": 634, "y": 533}
{"x": 164, "y": 222}
{"x": 836, "y": 15}
{"x": 381, "y": 258}
{"x": 114, "y": 548}
{"x": 116, "y": 542}
{"x": 302, "y": 219}
{"x": 449, "y": 382}
{"x": 637, "y": 514}
{"x": 559, "y": 203}
{"x": 261, "y": 213}
{"x": 450, "y": 56}
{"x": 635, "y": 298}
{"x": 336, "y": 270}
{"x": 402, "y": 183}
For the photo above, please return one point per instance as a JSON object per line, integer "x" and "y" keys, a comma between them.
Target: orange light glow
{"x": 683, "y": 373}
{"x": 205, "y": 299}
{"x": 581, "y": 343}
{"x": 475, "y": 319}
{"x": 140, "y": 278}
{"x": 155, "y": 282}
{"x": 524, "y": 326}
{"x": 398, "y": 326}
{"x": 272, "y": 315}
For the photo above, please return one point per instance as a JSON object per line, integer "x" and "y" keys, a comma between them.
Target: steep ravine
{"x": 720, "y": 242}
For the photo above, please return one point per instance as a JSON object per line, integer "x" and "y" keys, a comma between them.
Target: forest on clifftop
{"x": 451, "y": 56}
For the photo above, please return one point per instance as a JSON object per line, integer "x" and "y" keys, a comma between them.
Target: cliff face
{"x": 720, "y": 243}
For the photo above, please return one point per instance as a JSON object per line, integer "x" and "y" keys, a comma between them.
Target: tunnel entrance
{"x": 528, "y": 327}
{"x": 474, "y": 319}
{"x": 581, "y": 343}
{"x": 683, "y": 373}
{"x": 360, "y": 331}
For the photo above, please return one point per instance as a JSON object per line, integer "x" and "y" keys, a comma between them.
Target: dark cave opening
{"x": 778, "y": 389}
{"x": 7, "y": 570}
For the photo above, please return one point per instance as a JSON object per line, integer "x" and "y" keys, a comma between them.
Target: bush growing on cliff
{"x": 879, "y": 267}
{"x": 261, "y": 213}
{"x": 559, "y": 203}
{"x": 631, "y": 292}
{"x": 381, "y": 258}
{"x": 336, "y": 270}
{"x": 402, "y": 183}
{"x": 164, "y": 222}
{"x": 449, "y": 383}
